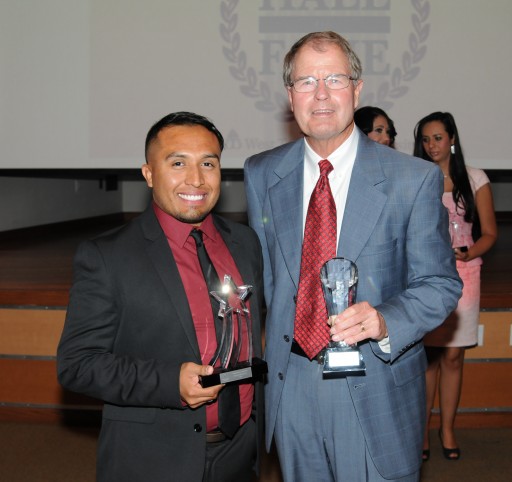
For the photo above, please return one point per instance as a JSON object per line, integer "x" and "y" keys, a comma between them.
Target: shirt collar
{"x": 344, "y": 154}
{"x": 179, "y": 231}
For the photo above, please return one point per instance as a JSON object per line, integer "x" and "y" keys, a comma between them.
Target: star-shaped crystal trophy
{"x": 339, "y": 284}
{"x": 234, "y": 360}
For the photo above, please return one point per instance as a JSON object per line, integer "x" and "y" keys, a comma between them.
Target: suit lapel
{"x": 163, "y": 262}
{"x": 286, "y": 200}
{"x": 364, "y": 201}
{"x": 245, "y": 265}
{"x": 236, "y": 248}
{"x": 362, "y": 211}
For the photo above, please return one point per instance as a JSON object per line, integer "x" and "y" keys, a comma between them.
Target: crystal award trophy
{"x": 339, "y": 284}
{"x": 456, "y": 234}
{"x": 229, "y": 364}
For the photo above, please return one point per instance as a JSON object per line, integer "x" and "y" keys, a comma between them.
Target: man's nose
{"x": 195, "y": 176}
{"x": 322, "y": 91}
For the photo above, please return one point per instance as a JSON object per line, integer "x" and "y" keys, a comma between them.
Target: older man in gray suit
{"x": 389, "y": 220}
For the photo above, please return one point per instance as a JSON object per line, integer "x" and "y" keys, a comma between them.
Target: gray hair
{"x": 317, "y": 40}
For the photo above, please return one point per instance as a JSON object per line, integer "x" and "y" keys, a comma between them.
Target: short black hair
{"x": 181, "y": 119}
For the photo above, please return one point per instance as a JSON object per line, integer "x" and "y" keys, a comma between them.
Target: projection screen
{"x": 81, "y": 81}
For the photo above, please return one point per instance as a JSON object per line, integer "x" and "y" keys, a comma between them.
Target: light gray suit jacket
{"x": 395, "y": 229}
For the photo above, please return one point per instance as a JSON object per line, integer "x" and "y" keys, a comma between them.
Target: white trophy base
{"x": 342, "y": 362}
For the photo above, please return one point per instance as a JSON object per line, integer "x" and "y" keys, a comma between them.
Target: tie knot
{"x": 325, "y": 167}
{"x": 197, "y": 235}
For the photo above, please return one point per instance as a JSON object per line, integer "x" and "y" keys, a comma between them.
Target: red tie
{"x": 311, "y": 328}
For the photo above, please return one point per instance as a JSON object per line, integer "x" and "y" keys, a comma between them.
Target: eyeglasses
{"x": 332, "y": 82}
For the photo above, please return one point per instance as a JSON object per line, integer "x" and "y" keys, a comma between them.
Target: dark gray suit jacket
{"x": 395, "y": 229}
{"x": 128, "y": 329}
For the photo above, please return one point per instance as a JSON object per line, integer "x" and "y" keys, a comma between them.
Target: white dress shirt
{"x": 342, "y": 160}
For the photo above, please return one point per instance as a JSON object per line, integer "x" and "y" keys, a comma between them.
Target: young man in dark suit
{"x": 139, "y": 331}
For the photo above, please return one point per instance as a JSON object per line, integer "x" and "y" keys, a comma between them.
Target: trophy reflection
{"x": 233, "y": 360}
{"x": 339, "y": 284}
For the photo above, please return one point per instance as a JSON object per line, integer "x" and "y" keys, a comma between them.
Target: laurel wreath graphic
{"x": 266, "y": 100}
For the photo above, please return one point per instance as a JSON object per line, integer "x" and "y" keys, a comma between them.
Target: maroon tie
{"x": 229, "y": 396}
{"x": 311, "y": 328}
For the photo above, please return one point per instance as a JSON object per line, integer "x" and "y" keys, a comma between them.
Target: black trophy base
{"x": 343, "y": 362}
{"x": 243, "y": 372}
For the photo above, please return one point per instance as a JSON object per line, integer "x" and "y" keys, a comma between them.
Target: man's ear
{"x": 148, "y": 175}
{"x": 290, "y": 97}
{"x": 357, "y": 92}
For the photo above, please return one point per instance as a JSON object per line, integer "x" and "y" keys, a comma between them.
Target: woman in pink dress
{"x": 468, "y": 199}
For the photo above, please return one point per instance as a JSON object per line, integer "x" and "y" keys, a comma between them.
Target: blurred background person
{"x": 468, "y": 199}
{"x": 376, "y": 124}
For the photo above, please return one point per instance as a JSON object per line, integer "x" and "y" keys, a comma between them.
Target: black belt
{"x": 215, "y": 436}
{"x": 297, "y": 349}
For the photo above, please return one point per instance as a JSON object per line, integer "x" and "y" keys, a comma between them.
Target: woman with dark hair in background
{"x": 468, "y": 199}
{"x": 376, "y": 124}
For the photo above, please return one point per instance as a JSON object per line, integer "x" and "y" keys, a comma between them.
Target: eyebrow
{"x": 181, "y": 155}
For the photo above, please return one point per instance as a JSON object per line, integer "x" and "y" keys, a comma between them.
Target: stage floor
{"x": 36, "y": 263}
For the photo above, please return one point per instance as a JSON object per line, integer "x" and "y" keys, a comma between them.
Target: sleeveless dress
{"x": 460, "y": 329}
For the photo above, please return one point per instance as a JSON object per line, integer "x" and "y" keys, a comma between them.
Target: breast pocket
{"x": 381, "y": 273}
{"x": 384, "y": 249}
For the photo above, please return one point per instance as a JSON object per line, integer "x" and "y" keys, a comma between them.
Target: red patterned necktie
{"x": 311, "y": 328}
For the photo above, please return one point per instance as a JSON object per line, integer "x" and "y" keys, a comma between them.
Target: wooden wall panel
{"x": 496, "y": 336}
{"x": 29, "y": 386}
{"x": 34, "y": 382}
{"x": 30, "y": 332}
{"x": 474, "y": 420}
{"x": 487, "y": 385}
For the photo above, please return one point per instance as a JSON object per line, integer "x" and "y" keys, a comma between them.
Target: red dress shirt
{"x": 185, "y": 254}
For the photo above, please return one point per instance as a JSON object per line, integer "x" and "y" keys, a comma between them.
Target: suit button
{"x": 286, "y": 338}
{"x": 198, "y": 428}
{"x": 280, "y": 376}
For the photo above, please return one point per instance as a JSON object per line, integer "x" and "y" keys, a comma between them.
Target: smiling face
{"x": 380, "y": 131}
{"x": 184, "y": 171}
{"x": 326, "y": 117}
{"x": 436, "y": 142}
